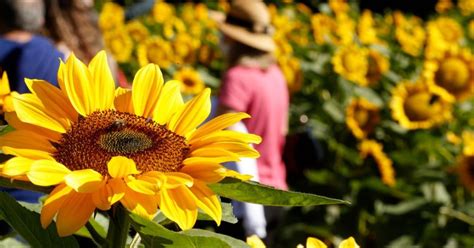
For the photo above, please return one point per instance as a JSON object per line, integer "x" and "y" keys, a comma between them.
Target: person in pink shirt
{"x": 253, "y": 83}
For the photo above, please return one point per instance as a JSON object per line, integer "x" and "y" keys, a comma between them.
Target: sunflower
{"x": 409, "y": 33}
{"x": 375, "y": 149}
{"x": 111, "y": 16}
{"x": 443, "y": 33}
{"x": 119, "y": 43}
{"x": 5, "y": 95}
{"x": 137, "y": 31}
{"x": 162, "y": 11}
{"x": 172, "y": 27}
{"x": 419, "y": 106}
{"x": 322, "y": 26}
{"x": 378, "y": 65}
{"x": 466, "y": 7}
{"x": 470, "y": 28}
{"x": 344, "y": 29}
{"x": 155, "y": 50}
{"x": 99, "y": 146}
{"x": 190, "y": 81}
{"x": 316, "y": 243}
{"x": 339, "y": 6}
{"x": 361, "y": 117}
{"x": 351, "y": 63}
{"x": 184, "y": 48}
{"x": 366, "y": 30}
{"x": 291, "y": 68}
{"x": 443, "y": 6}
{"x": 453, "y": 73}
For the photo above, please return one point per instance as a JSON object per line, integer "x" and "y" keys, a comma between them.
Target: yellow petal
{"x": 224, "y": 136}
{"x": 47, "y": 172}
{"x": 78, "y": 85}
{"x": 62, "y": 74}
{"x": 103, "y": 85}
{"x": 27, "y": 153}
{"x": 349, "y": 243}
{"x": 169, "y": 102}
{"x": 109, "y": 194}
{"x": 17, "y": 166}
{"x": 24, "y": 139}
{"x": 120, "y": 167}
{"x": 15, "y": 122}
{"x": 219, "y": 123}
{"x": 212, "y": 156}
{"x": 30, "y": 110}
{"x": 143, "y": 187}
{"x": 207, "y": 172}
{"x": 176, "y": 179}
{"x": 54, "y": 100}
{"x": 143, "y": 205}
{"x": 53, "y": 203}
{"x": 4, "y": 85}
{"x": 74, "y": 213}
{"x": 255, "y": 242}
{"x": 146, "y": 88}
{"x": 242, "y": 150}
{"x": 207, "y": 200}
{"x": 179, "y": 206}
{"x": 84, "y": 181}
{"x": 235, "y": 174}
{"x": 315, "y": 243}
{"x": 192, "y": 114}
{"x": 123, "y": 100}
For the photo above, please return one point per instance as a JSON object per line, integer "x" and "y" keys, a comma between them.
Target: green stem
{"x": 119, "y": 226}
{"x": 8, "y": 183}
{"x": 96, "y": 237}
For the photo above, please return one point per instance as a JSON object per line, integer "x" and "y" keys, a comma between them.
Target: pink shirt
{"x": 263, "y": 94}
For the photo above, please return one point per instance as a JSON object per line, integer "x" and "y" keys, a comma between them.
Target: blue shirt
{"x": 37, "y": 58}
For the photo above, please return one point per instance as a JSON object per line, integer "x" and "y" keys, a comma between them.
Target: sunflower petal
{"x": 218, "y": 123}
{"x": 192, "y": 114}
{"x": 169, "y": 102}
{"x": 103, "y": 92}
{"x": 224, "y": 136}
{"x": 146, "y": 89}
{"x": 15, "y": 122}
{"x": 207, "y": 172}
{"x": 47, "y": 172}
{"x": 84, "y": 181}
{"x": 207, "y": 152}
{"x": 24, "y": 139}
{"x": 53, "y": 203}
{"x": 143, "y": 187}
{"x": 4, "y": 84}
{"x": 121, "y": 167}
{"x": 315, "y": 243}
{"x": 179, "y": 206}
{"x": 74, "y": 213}
{"x": 176, "y": 179}
{"x": 143, "y": 205}
{"x": 17, "y": 166}
{"x": 123, "y": 100}
{"x": 242, "y": 150}
{"x": 78, "y": 86}
{"x": 27, "y": 153}
{"x": 207, "y": 200}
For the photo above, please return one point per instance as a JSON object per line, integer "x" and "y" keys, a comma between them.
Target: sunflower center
{"x": 189, "y": 82}
{"x": 94, "y": 140}
{"x": 367, "y": 118}
{"x": 352, "y": 62}
{"x": 421, "y": 106}
{"x": 453, "y": 74}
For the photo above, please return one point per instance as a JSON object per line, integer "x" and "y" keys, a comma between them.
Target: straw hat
{"x": 248, "y": 22}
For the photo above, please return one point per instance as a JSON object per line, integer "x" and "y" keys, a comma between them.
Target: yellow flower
{"x": 465, "y": 170}
{"x": 470, "y": 29}
{"x": 409, "y": 33}
{"x": 466, "y": 7}
{"x": 339, "y": 6}
{"x": 443, "y": 6}
{"x": 316, "y": 243}
{"x": 384, "y": 164}
{"x": 468, "y": 143}
{"x": 142, "y": 148}
{"x": 184, "y": 48}
{"x": 155, "y": 50}
{"x": 351, "y": 63}
{"x": 349, "y": 243}
{"x": 190, "y": 81}
{"x": 419, "y": 106}
{"x": 344, "y": 30}
{"x": 452, "y": 138}
{"x": 5, "y": 94}
{"x": 366, "y": 30}
{"x": 112, "y": 16}
{"x": 291, "y": 68}
{"x": 173, "y": 26}
{"x": 162, "y": 11}
{"x": 378, "y": 66}
{"x": 119, "y": 43}
{"x": 361, "y": 117}
{"x": 322, "y": 26}
{"x": 207, "y": 54}
{"x": 453, "y": 73}
{"x": 443, "y": 33}
{"x": 137, "y": 31}
{"x": 255, "y": 242}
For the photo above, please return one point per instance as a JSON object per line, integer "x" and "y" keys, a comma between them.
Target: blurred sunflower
{"x": 378, "y": 66}
{"x": 184, "y": 48}
{"x": 322, "y": 26}
{"x": 468, "y": 143}
{"x": 190, "y": 81}
{"x": 316, "y": 243}
{"x": 419, "y": 106}
{"x": 409, "y": 33}
{"x": 339, "y": 6}
{"x": 362, "y": 117}
{"x": 162, "y": 11}
{"x": 384, "y": 164}
{"x": 119, "y": 43}
{"x": 141, "y": 147}
{"x": 344, "y": 30}
{"x": 366, "y": 30}
{"x": 206, "y": 54}
{"x": 351, "y": 63}
{"x": 6, "y": 102}
{"x": 443, "y": 33}
{"x": 466, "y": 7}
{"x": 291, "y": 68}
{"x": 470, "y": 28}
{"x": 112, "y": 16}
{"x": 137, "y": 31}
{"x": 172, "y": 27}
{"x": 443, "y": 5}
{"x": 155, "y": 50}
{"x": 453, "y": 72}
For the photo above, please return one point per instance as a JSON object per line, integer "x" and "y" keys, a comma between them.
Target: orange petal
{"x": 219, "y": 123}
{"x": 74, "y": 213}
{"x": 179, "y": 206}
{"x": 84, "y": 181}
{"x": 26, "y": 140}
{"x": 121, "y": 167}
{"x": 207, "y": 200}
{"x": 53, "y": 203}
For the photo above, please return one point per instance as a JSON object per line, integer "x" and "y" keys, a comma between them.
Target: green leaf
{"x": 261, "y": 194}
{"x": 369, "y": 94}
{"x": 334, "y": 110}
{"x": 28, "y": 225}
{"x": 155, "y": 235}
{"x": 234, "y": 243}
{"x": 5, "y": 129}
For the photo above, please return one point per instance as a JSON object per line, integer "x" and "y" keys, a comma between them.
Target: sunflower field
{"x": 385, "y": 103}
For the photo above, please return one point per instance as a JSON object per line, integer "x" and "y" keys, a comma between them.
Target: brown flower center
{"x": 94, "y": 140}
{"x": 366, "y": 118}
{"x": 453, "y": 75}
{"x": 422, "y": 106}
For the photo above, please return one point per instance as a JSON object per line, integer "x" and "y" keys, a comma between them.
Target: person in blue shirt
{"x": 25, "y": 54}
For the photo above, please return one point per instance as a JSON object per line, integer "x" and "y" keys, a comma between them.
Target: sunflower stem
{"x": 119, "y": 226}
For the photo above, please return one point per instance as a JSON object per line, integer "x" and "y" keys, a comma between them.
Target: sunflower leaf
{"x": 155, "y": 235}
{"x": 254, "y": 192}
{"x": 27, "y": 224}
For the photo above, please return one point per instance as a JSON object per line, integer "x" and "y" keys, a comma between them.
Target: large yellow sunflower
{"x": 190, "y": 81}
{"x": 351, "y": 63}
{"x": 98, "y": 146}
{"x": 453, "y": 72}
{"x": 384, "y": 163}
{"x": 155, "y": 50}
{"x": 361, "y": 117}
{"x": 419, "y": 106}
{"x": 6, "y": 104}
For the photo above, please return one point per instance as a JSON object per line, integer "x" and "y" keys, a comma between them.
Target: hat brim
{"x": 262, "y": 42}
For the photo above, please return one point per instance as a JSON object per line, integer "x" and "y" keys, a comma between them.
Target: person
{"x": 253, "y": 83}
{"x": 24, "y": 53}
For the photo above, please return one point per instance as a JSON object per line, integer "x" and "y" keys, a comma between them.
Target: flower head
{"x": 119, "y": 43}
{"x": 351, "y": 63}
{"x": 143, "y": 148}
{"x": 361, "y": 117}
{"x": 384, "y": 163}
{"x": 155, "y": 50}
{"x": 190, "y": 80}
